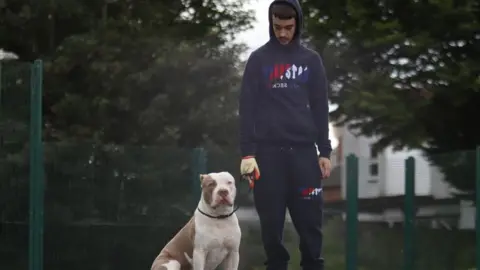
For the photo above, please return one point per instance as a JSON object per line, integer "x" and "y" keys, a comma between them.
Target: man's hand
{"x": 325, "y": 166}
{"x": 249, "y": 166}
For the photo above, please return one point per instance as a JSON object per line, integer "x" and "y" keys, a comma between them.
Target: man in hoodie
{"x": 283, "y": 120}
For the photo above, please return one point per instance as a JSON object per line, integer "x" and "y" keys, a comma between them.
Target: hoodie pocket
{"x": 299, "y": 125}
{"x": 265, "y": 125}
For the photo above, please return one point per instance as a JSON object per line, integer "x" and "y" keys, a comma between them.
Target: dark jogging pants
{"x": 290, "y": 177}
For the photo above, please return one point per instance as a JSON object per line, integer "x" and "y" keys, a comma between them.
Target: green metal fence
{"x": 21, "y": 152}
{"x": 94, "y": 206}
{"x": 430, "y": 234}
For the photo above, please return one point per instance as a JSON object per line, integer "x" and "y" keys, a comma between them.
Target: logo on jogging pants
{"x": 310, "y": 193}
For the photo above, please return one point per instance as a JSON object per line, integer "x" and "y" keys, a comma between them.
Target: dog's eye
{"x": 230, "y": 182}
{"x": 211, "y": 184}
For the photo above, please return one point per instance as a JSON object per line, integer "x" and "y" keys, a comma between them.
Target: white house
{"x": 382, "y": 176}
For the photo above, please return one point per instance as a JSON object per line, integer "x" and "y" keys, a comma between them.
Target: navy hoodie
{"x": 283, "y": 99}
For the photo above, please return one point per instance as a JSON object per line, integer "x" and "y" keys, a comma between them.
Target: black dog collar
{"x": 220, "y": 216}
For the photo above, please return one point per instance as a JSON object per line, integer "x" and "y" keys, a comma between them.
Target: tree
{"x": 406, "y": 73}
{"x": 45, "y": 24}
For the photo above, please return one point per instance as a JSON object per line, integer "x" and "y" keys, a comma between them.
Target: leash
{"x": 245, "y": 177}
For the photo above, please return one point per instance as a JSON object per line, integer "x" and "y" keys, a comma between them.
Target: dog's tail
{"x": 190, "y": 261}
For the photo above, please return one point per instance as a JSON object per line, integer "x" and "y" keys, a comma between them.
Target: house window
{"x": 374, "y": 169}
{"x": 373, "y": 154}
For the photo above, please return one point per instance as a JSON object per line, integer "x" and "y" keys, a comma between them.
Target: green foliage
{"x": 156, "y": 92}
{"x": 137, "y": 72}
{"x": 36, "y": 29}
{"x": 14, "y": 108}
{"x": 403, "y": 71}
{"x": 458, "y": 165}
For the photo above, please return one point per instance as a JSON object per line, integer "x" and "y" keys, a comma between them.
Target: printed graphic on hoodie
{"x": 286, "y": 75}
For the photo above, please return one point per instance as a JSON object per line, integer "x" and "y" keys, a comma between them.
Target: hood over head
{"x": 299, "y": 19}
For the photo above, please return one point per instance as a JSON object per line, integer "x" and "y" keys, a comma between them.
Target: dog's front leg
{"x": 232, "y": 260}
{"x": 199, "y": 256}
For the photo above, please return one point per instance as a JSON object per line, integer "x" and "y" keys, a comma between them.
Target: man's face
{"x": 284, "y": 29}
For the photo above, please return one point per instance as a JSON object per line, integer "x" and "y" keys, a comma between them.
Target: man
{"x": 283, "y": 114}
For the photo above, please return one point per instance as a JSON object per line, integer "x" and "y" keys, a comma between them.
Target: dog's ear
{"x": 202, "y": 178}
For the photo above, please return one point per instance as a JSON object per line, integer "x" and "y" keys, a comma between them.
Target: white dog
{"x": 212, "y": 236}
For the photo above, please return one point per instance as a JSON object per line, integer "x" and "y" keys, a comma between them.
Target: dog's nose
{"x": 223, "y": 192}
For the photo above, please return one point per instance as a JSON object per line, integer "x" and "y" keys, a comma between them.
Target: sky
{"x": 258, "y": 35}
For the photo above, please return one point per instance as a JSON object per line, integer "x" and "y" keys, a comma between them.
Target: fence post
{"x": 37, "y": 185}
{"x": 1, "y": 84}
{"x": 409, "y": 215}
{"x": 199, "y": 166}
{"x": 352, "y": 212}
{"x": 477, "y": 204}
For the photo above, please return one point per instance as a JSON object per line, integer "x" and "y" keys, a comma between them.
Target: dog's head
{"x": 218, "y": 189}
